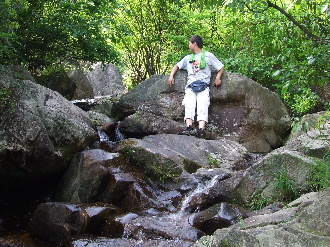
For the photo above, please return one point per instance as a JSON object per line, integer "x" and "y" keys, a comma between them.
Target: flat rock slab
{"x": 169, "y": 154}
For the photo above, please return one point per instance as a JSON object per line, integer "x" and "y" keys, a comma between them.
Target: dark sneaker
{"x": 201, "y": 133}
{"x": 190, "y": 131}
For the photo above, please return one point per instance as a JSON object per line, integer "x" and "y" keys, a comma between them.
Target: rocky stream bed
{"x": 68, "y": 178}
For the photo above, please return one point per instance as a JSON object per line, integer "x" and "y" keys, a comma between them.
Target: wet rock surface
{"x": 105, "y": 242}
{"x": 56, "y": 222}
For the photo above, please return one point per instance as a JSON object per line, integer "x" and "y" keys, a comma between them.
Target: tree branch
{"x": 294, "y": 21}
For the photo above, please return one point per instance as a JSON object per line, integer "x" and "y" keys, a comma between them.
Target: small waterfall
{"x": 110, "y": 142}
{"x": 118, "y": 135}
{"x": 103, "y": 136}
{"x": 201, "y": 190}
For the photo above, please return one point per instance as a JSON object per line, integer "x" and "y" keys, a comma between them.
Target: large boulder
{"x": 59, "y": 82}
{"x": 55, "y": 222}
{"x": 307, "y": 123}
{"x": 84, "y": 89}
{"x": 85, "y": 83}
{"x": 241, "y": 110}
{"x": 304, "y": 222}
{"x": 165, "y": 157}
{"x": 296, "y": 168}
{"x": 106, "y": 80}
{"x": 87, "y": 171}
{"x": 99, "y": 80}
{"x": 176, "y": 227}
{"x": 40, "y": 129}
{"x": 97, "y": 175}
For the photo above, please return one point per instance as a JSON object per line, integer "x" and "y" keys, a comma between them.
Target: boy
{"x": 198, "y": 66}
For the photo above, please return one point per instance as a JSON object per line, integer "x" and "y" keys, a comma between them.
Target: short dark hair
{"x": 198, "y": 39}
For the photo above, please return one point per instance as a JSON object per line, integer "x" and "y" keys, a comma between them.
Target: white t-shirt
{"x": 193, "y": 68}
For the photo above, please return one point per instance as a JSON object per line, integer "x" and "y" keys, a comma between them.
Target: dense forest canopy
{"x": 283, "y": 45}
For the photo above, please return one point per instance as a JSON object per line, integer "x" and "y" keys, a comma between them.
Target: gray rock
{"x": 216, "y": 217}
{"x": 241, "y": 110}
{"x": 162, "y": 227}
{"x": 106, "y": 242}
{"x": 98, "y": 80}
{"x": 303, "y": 225}
{"x": 165, "y": 157}
{"x": 97, "y": 175}
{"x": 294, "y": 162}
{"x": 98, "y": 119}
{"x": 106, "y": 80}
{"x": 84, "y": 89}
{"x": 41, "y": 132}
{"x": 59, "y": 82}
{"x": 307, "y": 123}
{"x": 56, "y": 222}
{"x": 83, "y": 179}
{"x": 313, "y": 141}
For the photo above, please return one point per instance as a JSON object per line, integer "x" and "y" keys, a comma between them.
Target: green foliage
{"x": 49, "y": 33}
{"x": 242, "y": 222}
{"x": 300, "y": 101}
{"x": 147, "y": 35}
{"x": 286, "y": 187}
{"x": 323, "y": 120}
{"x": 9, "y": 10}
{"x": 286, "y": 190}
{"x": 309, "y": 66}
{"x": 270, "y": 45}
{"x": 283, "y": 45}
{"x": 319, "y": 177}
{"x": 213, "y": 161}
{"x": 260, "y": 201}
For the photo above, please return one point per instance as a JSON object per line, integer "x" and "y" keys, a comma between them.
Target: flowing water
{"x": 152, "y": 227}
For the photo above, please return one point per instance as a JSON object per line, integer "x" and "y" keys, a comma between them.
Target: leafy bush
{"x": 39, "y": 34}
{"x": 300, "y": 73}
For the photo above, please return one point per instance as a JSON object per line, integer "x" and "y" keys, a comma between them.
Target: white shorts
{"x": 202, "y": 99}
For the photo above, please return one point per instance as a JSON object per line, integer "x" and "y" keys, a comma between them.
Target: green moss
{"x": 190, "y": 166}
{"x": 226, "y": 243}
{"x": 159, "y": 168}
{"x": 8, "y": 100}
{"x": 128, "y": 144}
{"x": 155, "y": 166}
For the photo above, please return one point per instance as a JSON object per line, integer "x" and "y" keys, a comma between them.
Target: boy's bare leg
{"x": 202, "y": 124}
{"x": 189, "y": 122}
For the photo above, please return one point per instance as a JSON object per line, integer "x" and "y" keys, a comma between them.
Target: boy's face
{"x": 192, "y": 45}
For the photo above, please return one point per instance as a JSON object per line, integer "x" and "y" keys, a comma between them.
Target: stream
{"x": 191, "y": 210}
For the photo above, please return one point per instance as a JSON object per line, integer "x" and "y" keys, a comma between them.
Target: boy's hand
{"x": 170, "y": 81}
{"x": 217, "y": 83}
